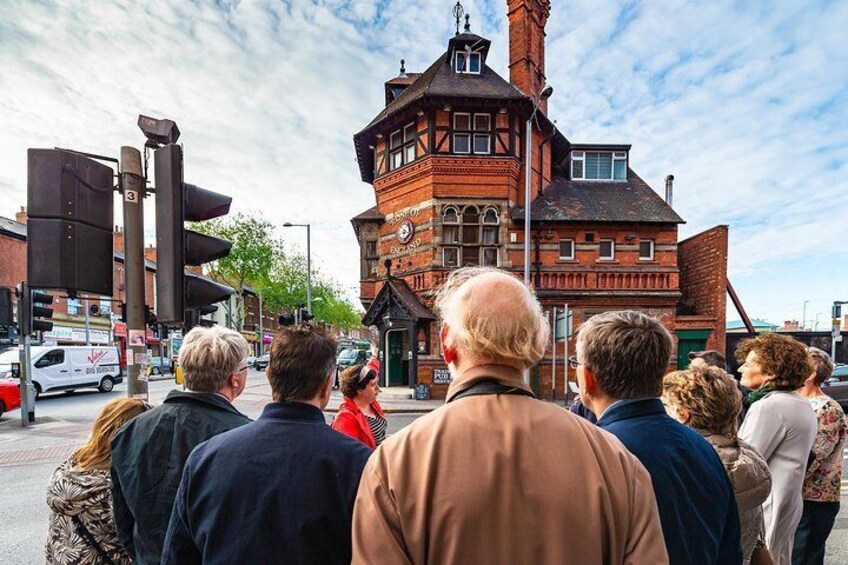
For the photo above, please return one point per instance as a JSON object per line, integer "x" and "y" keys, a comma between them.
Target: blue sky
{"x": 745, "y": 103}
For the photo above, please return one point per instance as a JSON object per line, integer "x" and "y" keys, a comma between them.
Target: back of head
{"x": 96, "y": 453}
{"x": 492, "y": 316}
{"x": 208, "y": 356}
{"x": 824, "y": 366}
{"x": 628, "y": 352}
{"x": 710, "y": 357}
{"x": 302, "y": 358}
{"x": 709, "y": 395}
{"x": 781, "y": 356}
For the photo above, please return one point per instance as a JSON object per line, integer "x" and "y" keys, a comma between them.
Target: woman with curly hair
{"x": 708, "y": 400}
{"x": 781, "y": 425}
{"x": 82, "y": 529}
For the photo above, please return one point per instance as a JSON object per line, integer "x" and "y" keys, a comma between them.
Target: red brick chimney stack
{"x": 118, "y": 239}
{"x": 527, "y": 19}
{"x": 21, "y": 215}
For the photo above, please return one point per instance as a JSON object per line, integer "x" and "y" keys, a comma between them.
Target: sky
{"x": 746, "y": 103}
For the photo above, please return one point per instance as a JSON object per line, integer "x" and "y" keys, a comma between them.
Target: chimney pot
{"x": 669, "y": 189}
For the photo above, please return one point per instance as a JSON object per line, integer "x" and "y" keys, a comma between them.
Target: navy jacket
{"x": 695, "y": 497}
{"x": 148, "y": 455}
{"x": 279, "y": 490}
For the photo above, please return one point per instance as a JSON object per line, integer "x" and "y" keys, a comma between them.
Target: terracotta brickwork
{"x": 703, "y": 281}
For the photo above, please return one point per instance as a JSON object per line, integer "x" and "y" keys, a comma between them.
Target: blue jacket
{"x": 695, "y": 497}
{"x": 279, "y": 490}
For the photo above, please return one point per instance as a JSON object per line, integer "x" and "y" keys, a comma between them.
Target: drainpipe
{"x": 669, "y": 189}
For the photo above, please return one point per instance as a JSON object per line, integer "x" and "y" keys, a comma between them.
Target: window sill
{"x": 607, "y": 261}
{"x": 566, "y": 260}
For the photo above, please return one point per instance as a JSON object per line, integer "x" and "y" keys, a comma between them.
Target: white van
{"x": 69, "y": 367}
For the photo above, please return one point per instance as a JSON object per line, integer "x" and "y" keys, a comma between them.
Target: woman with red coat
{"x": 360, "y": 415}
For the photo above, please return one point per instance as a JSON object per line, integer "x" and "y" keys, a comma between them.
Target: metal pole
{"x": 23, "y": 356}
{"x": 565, "y": 353}
{"x": 133, "y": 188}
{"x": 308, "y": 272}
{"x": 804, "y": 317}
{"x": 553, "y": 363}
{"x": 528, "y": 153}
{"x": 87, "y": 327}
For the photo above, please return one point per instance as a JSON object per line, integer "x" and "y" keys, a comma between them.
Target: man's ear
{"x": 590, "y": 382}
{"x": 448, "y": 352}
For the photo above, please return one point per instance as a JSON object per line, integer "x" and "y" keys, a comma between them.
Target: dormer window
{"x": 465, "y": 62}
{"x": 599, "y": 165}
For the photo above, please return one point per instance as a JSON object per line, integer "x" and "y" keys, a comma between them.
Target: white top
{"x": 782, "y": 428}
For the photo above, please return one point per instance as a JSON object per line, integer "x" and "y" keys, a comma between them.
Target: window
{"x": 74, "y": 306}
{"x": 607, "y": 249}
{"x": 370, "y": 249}
{"x": 490, "y": 256}
{"x": 595, "y": 165}
{"x": 646, "y": 250}
{"x": 403, "y": 147}
{"x": 566, "y": 249}
{"x": 466, "y": 62}
{"x": 490, "y": 227}
{"x": 55, "y": 357}
{"x": 470, "y": 256}
{"x": 472, "y": 136}
{"x": 450, "y": 256}
{"x": 105, "y": 305}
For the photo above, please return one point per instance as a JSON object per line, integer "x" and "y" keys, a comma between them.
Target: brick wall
{"x": 702, "y": 260}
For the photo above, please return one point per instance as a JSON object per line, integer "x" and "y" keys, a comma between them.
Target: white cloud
{"x": 744, "y": 103}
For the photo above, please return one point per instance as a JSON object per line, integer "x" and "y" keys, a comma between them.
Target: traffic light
{"x": 193, "y": 317}
{"x": 69, "y": 222}
{"x": 305, "y": 316}
{"x": 36, "y": 309}
{"x": 837, "y": 310}
{"x": 178, "y": 202}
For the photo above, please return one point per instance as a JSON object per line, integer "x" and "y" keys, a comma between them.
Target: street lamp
{"x": 528, "y": 168}
{"x": 308, "y": 264}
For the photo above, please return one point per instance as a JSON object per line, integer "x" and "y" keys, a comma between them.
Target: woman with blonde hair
{"x": 706, "y": 399}
{"x": 82, "y": 529}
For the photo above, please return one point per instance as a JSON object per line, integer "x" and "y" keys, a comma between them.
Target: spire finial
{"x": 402, "y": 68}
{"x": 458, "y": 12}
{"x": 467, "y": 23}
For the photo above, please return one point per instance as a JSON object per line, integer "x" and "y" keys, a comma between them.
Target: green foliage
{"x": 260, "y": 259}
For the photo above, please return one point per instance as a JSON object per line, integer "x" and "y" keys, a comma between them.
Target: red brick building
{"x": 446, "y": 158}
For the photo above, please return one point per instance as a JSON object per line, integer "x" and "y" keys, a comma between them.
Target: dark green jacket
{"x": 148, "y": 456}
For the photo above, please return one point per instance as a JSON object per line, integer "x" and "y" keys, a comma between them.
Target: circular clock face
{"x": 405, "y": 231}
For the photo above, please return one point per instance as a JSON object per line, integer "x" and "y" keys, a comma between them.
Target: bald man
{"x": 495, "y": 475}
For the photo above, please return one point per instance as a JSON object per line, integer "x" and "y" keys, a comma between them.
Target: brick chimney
{"x": 527, "y": 19}
{"x": 150, "y": 253}
{"x": 118, "y": 239}
{"x": 21, "y": 215}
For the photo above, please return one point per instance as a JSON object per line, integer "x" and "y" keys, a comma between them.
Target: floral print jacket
{"x": 824, "y": 473}
{"x": 83, "y": 493}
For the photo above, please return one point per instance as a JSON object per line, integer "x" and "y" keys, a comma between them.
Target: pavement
{"x": 28, "y": 456}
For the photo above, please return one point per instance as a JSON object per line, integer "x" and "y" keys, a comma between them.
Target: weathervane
{"x": 458, "y": 12}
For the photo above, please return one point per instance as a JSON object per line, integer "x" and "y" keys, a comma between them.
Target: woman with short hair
{"x": 82, "y": 528}
{"x": 360, "y": 415}
{"x": 707, "y": 399}
{"x": 781, "y": 426}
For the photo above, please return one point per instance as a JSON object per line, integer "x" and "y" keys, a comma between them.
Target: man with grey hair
{"x": 148, "y": 454}
{"x": 621, "y": 360}
{"x": 821, "y": 492}
{"x": 495, "y": 475}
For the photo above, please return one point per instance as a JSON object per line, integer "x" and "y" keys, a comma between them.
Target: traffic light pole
{"x": 133, "y": 189}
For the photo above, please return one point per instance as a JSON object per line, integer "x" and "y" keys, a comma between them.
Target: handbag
{"x": 761, "y": 555}
{"x": 92, "y": 541}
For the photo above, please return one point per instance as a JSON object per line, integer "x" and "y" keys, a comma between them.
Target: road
{"x": 63, "y": 423}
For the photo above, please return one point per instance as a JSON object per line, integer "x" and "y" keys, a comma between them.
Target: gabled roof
{"x": 566, "y": 200}
{"x": 398, "y": 292}
{"x": 371, "y": 214}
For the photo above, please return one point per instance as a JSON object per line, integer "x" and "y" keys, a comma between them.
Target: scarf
{"x": 756, "y": 395}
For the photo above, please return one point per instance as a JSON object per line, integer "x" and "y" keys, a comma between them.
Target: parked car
{"x": 251, "y": 360}
{"x": 10, "y": 395}
{"x": 836, "y": 386}
{"x": 261, "y": 362}
{"x": 67, "y": 367}
{"x": 161, "y": 365}
{"x": 350, "y": 357}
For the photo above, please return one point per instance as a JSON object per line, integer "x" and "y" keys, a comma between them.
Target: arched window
{"x": 490, "y": 226}
{"x": 469, "y": 237}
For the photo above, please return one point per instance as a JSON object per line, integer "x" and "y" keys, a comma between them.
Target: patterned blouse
{"x": 85, "y": 494}
{"x": 378, "y": 427}
{"x": 824, "y": 473}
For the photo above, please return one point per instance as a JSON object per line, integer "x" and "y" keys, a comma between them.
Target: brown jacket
{"x": 504, "y": 479}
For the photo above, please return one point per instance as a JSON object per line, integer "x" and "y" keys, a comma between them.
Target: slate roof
{"x": 12, "y": 228}
{"x": 370, "y": 214}
{"x": 401, "y": 291}
{"x": 567, "y": 200}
